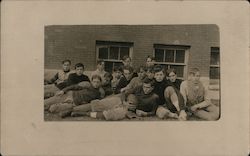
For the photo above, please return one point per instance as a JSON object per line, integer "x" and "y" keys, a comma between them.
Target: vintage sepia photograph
{"x": 124, "y": 78}
{"x": 132, "y": 72}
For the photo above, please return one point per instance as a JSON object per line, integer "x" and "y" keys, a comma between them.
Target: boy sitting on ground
{"x": 106, "y": 84}
{"x": 171, "y": 103}
{"x": 78, "y": 76}
{"x": 125, "y": 80}
{"x": 136, "y": 81}
{"x": 147, "y": 99}
{"x": 196, "y": 99}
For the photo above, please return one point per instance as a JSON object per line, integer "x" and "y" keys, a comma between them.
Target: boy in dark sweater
{"x": 59, "y": 81}
{"x": 81, "y": 94}
{"x": 124, "y": 81}
{"x": 170, "y": 100}
{"x": 106, "y": 84}
{"x": 78, "y": 76}
{"x": 146, "y": 98}
{"x": 172, "y": 78}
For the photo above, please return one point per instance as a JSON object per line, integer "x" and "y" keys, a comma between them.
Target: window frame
{"x": 217, "y": 50}
{"x": 108, "y": 44}
{"x": 165, "y": 47}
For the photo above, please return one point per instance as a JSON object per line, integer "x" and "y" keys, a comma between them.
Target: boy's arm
{"x": 119, "y": 86}
{"x": 183, "y": 91}
{"x": 53, "y": 79}
{"x": 206, "y": 101}
{"x": 101, "y": 90}
{"x": 155, "y": 106}
{"x": 72, "y": 87}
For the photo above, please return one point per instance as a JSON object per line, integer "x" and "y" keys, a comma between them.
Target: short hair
{"x": 193, "y": 71}
{"x": 141, "y": 68}
{"x": 170, "y": 71}
{"x": 149, "y": 81}
{"x": 96, "y": 77}
{"x": 108, "y": 75}
{"x": 159, "y": 68}
{"x": 126, "y": 57}
{"x": 67, "y": 60}
{"x": 129, "y": 68}
{"x": 151, "y": 57}
{"x": 99, "y": 61}
{"x": 79, "y": 65}
{"x": 150, "y": 69}
{"x": 117, "y": 68}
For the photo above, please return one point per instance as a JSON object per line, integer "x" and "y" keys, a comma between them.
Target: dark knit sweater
{"x": 75, "y": 79}
{"x": 159, "y": 90}
{"x": 146, "y": 102}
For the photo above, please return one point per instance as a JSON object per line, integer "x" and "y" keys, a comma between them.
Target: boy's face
{"x": 79, "y": 71}
{"x": 195, "y": 77}
{"x": 159, "y": 76}
{"x": 141, "y": 74}
{"x": 150, "y": 75}
{"x": 66, "y": 66}
{"x": 172, "y": 76}
{"x": 149, "y": 62}
{"x": 96, "y": 83}
{"x": 147, "y": 88}
{"x": 107, "y": 80}
{"x": 101, "y": 66}
{"x": 127, "y": 74}
{"x": 117, "y": 74}
{"x": 127, "y": 62}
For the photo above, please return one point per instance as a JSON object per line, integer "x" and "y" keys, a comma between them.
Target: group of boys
{"x": 128, "y": 93}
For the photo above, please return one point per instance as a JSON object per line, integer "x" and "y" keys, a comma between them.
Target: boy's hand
{"x": 59, "y": 93}
{"x": 172, "y": 115}
{"x": 123, "y": 89}
{"x": 141, "y": 113}
{"x": 182, "y": 115}
{"x": 194, "y": 108}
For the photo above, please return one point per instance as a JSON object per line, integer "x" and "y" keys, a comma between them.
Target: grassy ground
{"x": 55, "y": 117}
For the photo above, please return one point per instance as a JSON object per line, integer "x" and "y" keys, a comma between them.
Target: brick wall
{"x": 77, "y": 43}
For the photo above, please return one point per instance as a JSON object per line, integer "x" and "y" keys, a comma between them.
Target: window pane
{"x": 114, "y": 53}
{"x": 180, "y": 56}
{"x": 215, "y": 58}
{"x": 214, "y": 72}
{"x": 103, "y": 53}
{"x": 159, "y": 54}
{"x": 123, "y": 52}
{"x": 118, "y": 64}
{"x": 179, "y": 70}
{"x": 108, "y": 66}
{"x": 169, "y": 56}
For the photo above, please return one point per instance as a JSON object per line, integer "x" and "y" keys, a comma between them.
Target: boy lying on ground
{"x": 81, "y": 95}
{"x": 59, "y": 81}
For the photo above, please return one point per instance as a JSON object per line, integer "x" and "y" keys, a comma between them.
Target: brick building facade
{"x": 177, "y": 46}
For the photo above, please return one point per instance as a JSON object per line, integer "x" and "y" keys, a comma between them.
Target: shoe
{"x": 64, "y": 114}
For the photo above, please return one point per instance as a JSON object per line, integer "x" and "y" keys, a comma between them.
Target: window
{"x": 215, "y": 63}
{"x": 113, "y": 52}
{"x": 172, "y": 56}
